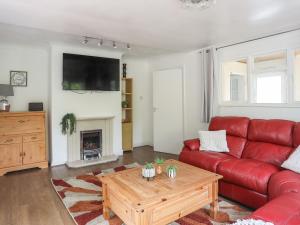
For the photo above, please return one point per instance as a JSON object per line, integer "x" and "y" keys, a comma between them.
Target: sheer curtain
{"x": 209, "y": 84}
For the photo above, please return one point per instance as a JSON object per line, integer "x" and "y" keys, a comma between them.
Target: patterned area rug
{"x": 82, "y": 197}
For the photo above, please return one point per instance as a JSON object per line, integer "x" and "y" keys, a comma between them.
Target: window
{"x": 234, "y": 81}
{"x": 269, "y": 78}
{"x": 266, "y": 93}
{"x": 272, "y": 78}
{"x": 297, "y": 76}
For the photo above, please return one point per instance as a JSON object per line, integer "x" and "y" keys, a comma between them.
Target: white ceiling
{"x": 162, "y": 24}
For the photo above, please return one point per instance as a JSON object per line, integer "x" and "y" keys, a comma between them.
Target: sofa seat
{"x": 248, "y": 173}
{"x": 284, "y": 182}
{"x": 284, "y": 210}
{"x": 203, "y": 159}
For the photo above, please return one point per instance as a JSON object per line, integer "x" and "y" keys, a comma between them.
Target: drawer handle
{"x": 33, "y": 138}
{"x": 21, "y": 121}
{"x": 9, "y": 140}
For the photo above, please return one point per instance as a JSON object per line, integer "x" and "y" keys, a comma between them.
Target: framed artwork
{"x": 18, "y": 78}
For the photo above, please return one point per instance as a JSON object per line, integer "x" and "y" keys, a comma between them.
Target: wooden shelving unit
{"x": 127, "y": 131}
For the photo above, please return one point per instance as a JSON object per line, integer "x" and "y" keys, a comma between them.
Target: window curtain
{"x": 209, "y": 90}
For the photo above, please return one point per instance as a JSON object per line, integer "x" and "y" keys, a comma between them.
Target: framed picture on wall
{"x": 18, "y": 78}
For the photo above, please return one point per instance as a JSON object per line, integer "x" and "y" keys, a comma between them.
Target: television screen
{"x": 90, "y": 73}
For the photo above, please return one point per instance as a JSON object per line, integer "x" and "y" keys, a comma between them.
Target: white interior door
{"x": 168, "y": 110}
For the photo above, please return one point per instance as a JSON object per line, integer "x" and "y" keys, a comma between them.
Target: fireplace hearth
{"x": 90, "y": 144}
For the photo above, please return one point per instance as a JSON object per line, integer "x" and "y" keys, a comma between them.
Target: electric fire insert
{"x": 90, "y": 144}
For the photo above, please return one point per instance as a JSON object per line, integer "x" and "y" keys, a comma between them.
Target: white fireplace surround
{"x": 105, "y": 123}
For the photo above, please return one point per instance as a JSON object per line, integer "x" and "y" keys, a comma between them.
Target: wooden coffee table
{"x": 140, "y": 202}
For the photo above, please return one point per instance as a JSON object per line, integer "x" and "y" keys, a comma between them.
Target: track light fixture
{"x": 85, "y": 41}
{"x": 100, "y": 42}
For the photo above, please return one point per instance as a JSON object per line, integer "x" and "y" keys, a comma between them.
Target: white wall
{"x": 34, "y": 60}
{"x": 82, "y": 105}
{"x": 139, "y": 70}
{"x": 190, "y": 63}
{"x": 142, "y": 69}
{"x": 287, "y": 41}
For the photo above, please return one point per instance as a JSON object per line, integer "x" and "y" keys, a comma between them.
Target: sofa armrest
{"x": 192, "y": 144}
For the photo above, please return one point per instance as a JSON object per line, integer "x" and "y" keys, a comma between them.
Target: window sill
{"x": 253, "y": 105}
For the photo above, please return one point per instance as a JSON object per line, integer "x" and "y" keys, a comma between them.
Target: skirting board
{"x": 84, "y": 163}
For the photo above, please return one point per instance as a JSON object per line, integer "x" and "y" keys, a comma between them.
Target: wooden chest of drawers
{"x": 22, "y": 141}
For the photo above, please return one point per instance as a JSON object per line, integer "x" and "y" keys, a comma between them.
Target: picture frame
{"x": 18, "y": 78}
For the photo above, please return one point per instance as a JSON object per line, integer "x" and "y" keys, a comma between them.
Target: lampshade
{"x": 6, "y": 90}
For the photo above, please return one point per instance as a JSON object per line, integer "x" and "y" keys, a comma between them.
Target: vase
{"x": 158, "y": 170}
{"x": 124, "y": 70}
{"x": 148, "y": 173}
{"x": 172, "y": 173}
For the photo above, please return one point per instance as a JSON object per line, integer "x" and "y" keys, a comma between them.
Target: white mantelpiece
{"x": 95, "y": 118}
{"x": 105, "y": 123}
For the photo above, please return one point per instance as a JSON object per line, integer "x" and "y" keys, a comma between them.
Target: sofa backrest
{"x": 236, "y": 130}
{"x": 269, "y": 140}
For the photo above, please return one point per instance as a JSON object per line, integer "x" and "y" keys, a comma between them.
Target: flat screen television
{"x": 90, "y": 73}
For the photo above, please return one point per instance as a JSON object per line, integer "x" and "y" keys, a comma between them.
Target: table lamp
{"x": 5, "y": 90}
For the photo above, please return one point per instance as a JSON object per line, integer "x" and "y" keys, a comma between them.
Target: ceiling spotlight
{"x": 114, "y": 44}
{"x": 85, "y": 41}
{"x": 100, "y": 43}
{"x": 128, "y": 46}
{"x": 200, "y": 4}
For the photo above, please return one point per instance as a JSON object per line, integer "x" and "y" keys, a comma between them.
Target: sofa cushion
{"x": 243, "y": 195}
{"x": 203, "y": 159}
{"x": 284, "y": 210}
{"x": 292, "y": 163}
{"x": 236, "y": 131}
{"x": 234, "y": 126}
{"x": 266, "y": 152}
{"x": 284, "y": 182}
{"x": 214, "y": 141}
{"x": 236, "y": 145}
{"x": 270, "y": 141}
{"x": 278, "y": 132}
{"x": 296, "y": 135}
{"x": 248, "y": 173}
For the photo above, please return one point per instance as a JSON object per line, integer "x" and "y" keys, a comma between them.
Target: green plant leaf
{"x": 68, "y": 124}
{"x": 149, "y": 165}
{"x": 159, "y": 160}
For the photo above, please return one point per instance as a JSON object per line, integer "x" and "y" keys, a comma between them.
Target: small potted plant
{"x": 159, "y": 162}
{"x": 125, "y": 104}
{"x": 171, "y": 171}
{"x": 148, "y": 171}
{"x": 68, "y": 123}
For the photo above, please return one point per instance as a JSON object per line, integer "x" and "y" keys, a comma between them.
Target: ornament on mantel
{"x": 124, "y": 70}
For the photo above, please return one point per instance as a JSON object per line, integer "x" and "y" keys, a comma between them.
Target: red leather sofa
{"x": 251, "y": 170}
